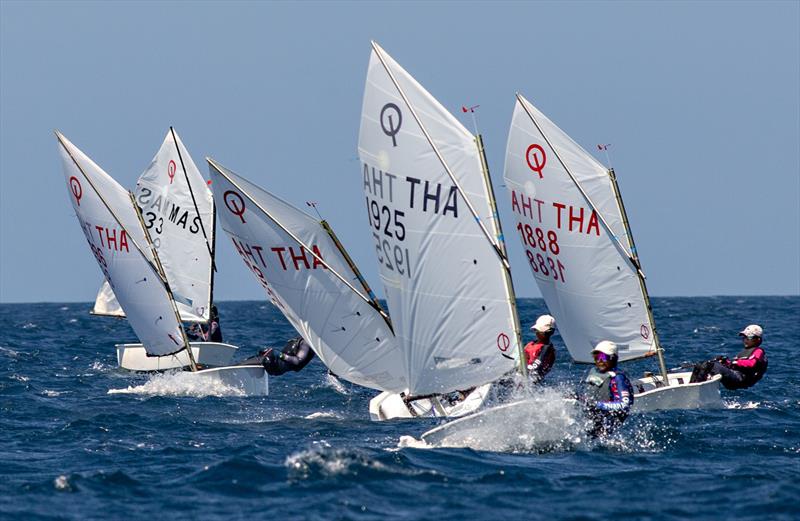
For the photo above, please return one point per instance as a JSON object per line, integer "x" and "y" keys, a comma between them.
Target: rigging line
{"x": 218, "y": 168}
{"x": 610, "y": 232}
{"x": 191, "y": 192}
{"x": 486, "y": 233}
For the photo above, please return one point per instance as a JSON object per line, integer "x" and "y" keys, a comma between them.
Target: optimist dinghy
{"x": 310, "y": 278}
{"x": 439, "y": 247}
{"x": 578, "y": 243}
{"x": 179, "y": 215}
{"x": 118, "y": 237}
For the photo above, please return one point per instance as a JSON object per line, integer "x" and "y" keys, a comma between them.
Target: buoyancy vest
{"x": 596, "y": 386}
{"x": 753, "y": 374}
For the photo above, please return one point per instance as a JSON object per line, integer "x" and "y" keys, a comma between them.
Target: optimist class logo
{"x": 234, "y": 203}
{"x": 536, "y": 159}
{"x": 76, "y": 189}
{"x": 171, "y": 167}
{"x": 645, "y": 332}
{"x": 503, "y": 342}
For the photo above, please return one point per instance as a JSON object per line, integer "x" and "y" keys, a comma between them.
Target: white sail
{"x": 296, "y": 261}
{"x": 442, "y": 273}
{"x": 106, "y": 303}
{"x": 574, "y": 236}
{"x": 112, "y": 228}
{"x": 178, "y": 211}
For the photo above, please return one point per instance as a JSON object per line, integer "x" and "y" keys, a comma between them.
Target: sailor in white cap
{"x": 746, "y": 368}
{"x": 608, "y": 393}
{"x": 541, "y": 354}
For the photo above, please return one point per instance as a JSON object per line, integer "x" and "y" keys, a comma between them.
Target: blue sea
{"x": 70, "y": 450}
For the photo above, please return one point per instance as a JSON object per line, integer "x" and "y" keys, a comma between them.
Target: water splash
{"x": 318, "y": 415}
{"x": 180, "y": 384}
{"x": 542, "y": 420}
{"x": 62, "y": 483}
{"x": 336, "y": 384}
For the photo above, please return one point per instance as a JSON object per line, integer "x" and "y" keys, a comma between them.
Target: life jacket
{"x": 755, "y": 373}
{"x": 534, "y": 349}
{"x": 596, "y": 386}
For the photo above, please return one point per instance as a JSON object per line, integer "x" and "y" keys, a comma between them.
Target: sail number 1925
{"x": 389, "y": 229}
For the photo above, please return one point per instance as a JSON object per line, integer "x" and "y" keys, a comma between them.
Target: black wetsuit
{"x": 294, "y": 356}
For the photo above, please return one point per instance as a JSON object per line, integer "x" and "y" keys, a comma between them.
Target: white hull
{"x": 520, "y": 425}
{"x": 390, "y": 406}
{"x": 251, "y": 380}
{"x": 208, "y": 354}
{"x": 680, "y": 394}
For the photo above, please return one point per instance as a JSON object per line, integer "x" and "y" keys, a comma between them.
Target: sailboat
{"x": 439, "y": 246}
{"x": 179, "y": 214}
{"x": 118, "y": 237}
{"x": 308, "y": 275}
{"x": 572, "y": 223}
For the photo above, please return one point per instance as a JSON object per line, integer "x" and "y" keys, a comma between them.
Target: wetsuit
{"x": 294, "y": 356}
{"x": 608, "y": 398}
{"x": 540, "y": 358}
{"x": 745, "y": 370}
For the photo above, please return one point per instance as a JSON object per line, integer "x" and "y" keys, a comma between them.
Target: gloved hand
{"x": 270, "y": 355}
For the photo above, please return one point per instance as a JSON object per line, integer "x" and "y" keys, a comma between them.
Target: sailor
{"x": 540, "y": 354}
{"x": 747, "y": 368}
{"x": 210, "y": 332}
{"x": 294, "y": 356}
{"x": 607, "y": 392}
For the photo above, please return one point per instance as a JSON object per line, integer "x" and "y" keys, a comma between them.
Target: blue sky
{"x": 700, "y": 101}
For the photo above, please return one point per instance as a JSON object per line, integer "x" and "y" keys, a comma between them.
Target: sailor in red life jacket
{"x": 744, "y": 370}
{"x": 540, "y": 355}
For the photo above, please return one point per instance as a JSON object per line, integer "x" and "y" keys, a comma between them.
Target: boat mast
{"x": 621, "y": 205}
{"x": 501, "y": 245}
{"x": 163, "y": 275}
{"x": 357, "y": 273}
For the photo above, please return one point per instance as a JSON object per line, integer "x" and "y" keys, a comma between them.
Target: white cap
{"x": 751, "y": 331}
{"x": 607, "y": 347}
{"x": 544, "y": 324}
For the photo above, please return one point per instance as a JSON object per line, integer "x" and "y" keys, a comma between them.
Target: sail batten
{"x": 571, "y": 228}
{"x": 427, "y": 207}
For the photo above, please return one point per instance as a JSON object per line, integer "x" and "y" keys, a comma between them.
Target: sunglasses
{"x": 601, "y": 357}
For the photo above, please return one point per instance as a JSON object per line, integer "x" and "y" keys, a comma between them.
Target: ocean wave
{"x": 324, "y": 461}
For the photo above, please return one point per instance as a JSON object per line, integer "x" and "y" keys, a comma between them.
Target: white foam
{"x": 410, "y": 442}
{"x": 546, "y": 420}
{"x": 180, "y": 384}
{"x": 50, "y": 393}
{"x": 19, "y": 378}
{"x": 745, "y": 405}
{"x": 9, "y": 351}
{"x": 62, "y": 483}
{"x": 336, "y": 384}
{"x": 29, "y": 325}
{"x": 317, "y": 415}
{"x": 328, "y": 461}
